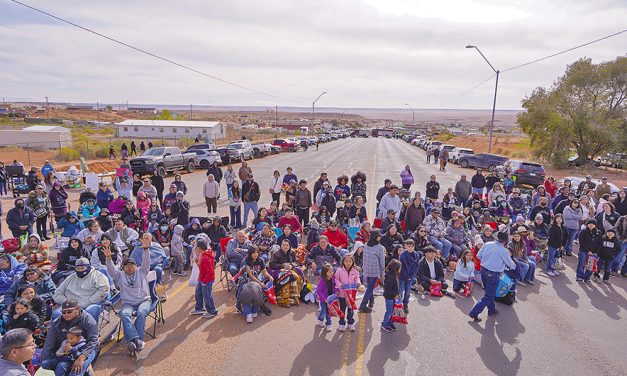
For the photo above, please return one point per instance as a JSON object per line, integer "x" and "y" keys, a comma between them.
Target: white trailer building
{"x": 37, "y": 137}
{"x": 171, "y": 129}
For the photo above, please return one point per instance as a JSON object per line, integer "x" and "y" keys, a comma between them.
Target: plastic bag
{"x": 193, "y": 278}
{"x": 23, "y": 240}
{"x": 592, "y": 263}
{"x": 467, "y": 291}
{"x": 399, "y": 315}
{"x": 436, "y": 289}
{"x": 270, "y": 293}
{"x": 333, "y": 306}
{"x": 350, "y": 291}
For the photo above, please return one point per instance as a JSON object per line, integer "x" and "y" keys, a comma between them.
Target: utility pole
{"x": 313, "y": 109}
{"x": 276, "y": 116}
{"x": 191, "y": 112}
{"x": 47, "y": 110}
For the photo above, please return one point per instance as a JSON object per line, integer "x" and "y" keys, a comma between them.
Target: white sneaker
{"x": 249, "y": 318}
{"x": 321, "y": 323}
{"x": 197, "y": 312}
{"x": 556, "y": 273}
{"x": 341, "y": 328}
{"x": 255, "y": 314}
{"x": 351, "y": 327}
{"x": 328, "y": 328}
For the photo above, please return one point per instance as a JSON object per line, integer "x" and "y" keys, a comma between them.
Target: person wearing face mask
{"x": 180, "y": 209}
{"x": 542, "y": 209}
{"x": 88, "y": 287}
{"x": 67, "y": 261}
{"x": 20, "y": 219}
{"x": 105, "y": 221}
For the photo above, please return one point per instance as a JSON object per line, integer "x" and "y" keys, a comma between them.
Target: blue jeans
{"x": 188, "y": 255}
{"x": 94, "y": 310}
{"x": 477, "y": 190}
{"x": 236, "y": 216}
{"x": 368, "y": 295}
{"x": 324, "y": 313}
{"x": 618, "y": 262}
{"x": 572, "y": 234}
{"x": 249, "y": 308}
{"x": 441, "y": 245}
{"x": 136, "y": 329}
{"x": 582, "y": 273}
{"x": 521, "y": 268}
{"x": 458, "y": 285}
{"x": 3, "y": 187}
{"x": 348, "y": 313}
{"x": 233, "y": 268}
{"x": 531, "y": 273}
{"x": 389, "y": 309}
{"x": 204, "y": 298}
{"x": 491, "y": 283}
{"x": 404, "y": 287}
{"x": 63, "y": 368}
{"x": 247, "y": 207}
{"x": 550, "y": 262}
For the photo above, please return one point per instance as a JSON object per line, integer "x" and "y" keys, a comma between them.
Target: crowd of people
{"x": 121, "y": 238}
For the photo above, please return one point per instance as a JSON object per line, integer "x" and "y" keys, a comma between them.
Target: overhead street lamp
{"x": 313, "y": 108}
{"x": 413, "y": 114}
{"x": 496, "y": 87}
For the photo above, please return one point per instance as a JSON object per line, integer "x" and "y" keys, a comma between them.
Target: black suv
{"x": 485, "y": 161}
{"x": 524, "y": 172}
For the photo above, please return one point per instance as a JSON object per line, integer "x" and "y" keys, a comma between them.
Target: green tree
{"x": 165, "y": 114}
{"x": 584, "y": 110}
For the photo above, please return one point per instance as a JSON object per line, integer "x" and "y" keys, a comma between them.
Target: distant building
{"x": 37, "y": 137}
{"x": 79, "y": 107}
{"x": 142, "y": 110}
{"x": 171, "y": 129}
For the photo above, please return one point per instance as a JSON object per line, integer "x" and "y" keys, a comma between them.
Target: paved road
{"x": 557, "y": 327}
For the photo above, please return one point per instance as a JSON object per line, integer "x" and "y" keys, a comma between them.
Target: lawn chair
{"x": 225, "y": 277}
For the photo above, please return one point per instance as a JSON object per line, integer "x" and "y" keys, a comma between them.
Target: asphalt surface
{"x": 557, "y": 327}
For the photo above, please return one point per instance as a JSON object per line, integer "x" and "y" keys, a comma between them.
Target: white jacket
{"x": 390, "y": 202}
{"x": 91, "y": 289}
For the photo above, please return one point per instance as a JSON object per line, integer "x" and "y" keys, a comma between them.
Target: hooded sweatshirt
{"x": 409, "y": 265}
{"x": 37, "y": 255}
{"x": 69, "y": 256}
{"x": 176, "y": 244}
{"x": 8, "y": 275}
{"x": 70, "y": 229}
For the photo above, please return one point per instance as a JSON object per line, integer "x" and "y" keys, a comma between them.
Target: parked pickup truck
{"x": 262, "y": 149}
{"x": 162, "y": 160}
{"x": 286, "y": 144}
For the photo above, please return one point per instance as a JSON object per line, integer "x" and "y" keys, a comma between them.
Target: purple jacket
{"x": 407, "y": 177}
{"x": 321, "y": 292}
{"x": 58, "y": 201}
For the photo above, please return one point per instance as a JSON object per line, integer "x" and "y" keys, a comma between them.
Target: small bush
{"x": 69, "y": 154}
{"x": 102, "y": 151}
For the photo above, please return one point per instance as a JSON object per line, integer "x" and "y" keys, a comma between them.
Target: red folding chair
{"x": 377, "y": 223}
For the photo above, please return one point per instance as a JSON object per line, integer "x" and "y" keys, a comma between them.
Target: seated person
{"x": 191, "y": 232}
{"x": 364, "y": 232}
{"x": 105, "y": 221}
{"x": 390, "y": 219}
{"x": 134, "y": 294}
{"x": 123, "y": 236}
{"x": 291, "y": 237}
{"x": 487, "y": 234}
{"x": 17, "y": 347}
{"x": 518, "y": 222}
{"x": 34, "y": 252}
{"x": 70, "y": 224}
{"x": 420, "y": 238}
{"x": 72, "y": 316}
{"x": 157, "y": 255}
{"x": 290, "y": 219}
{"x": 90, "y": 210}
{"x": 343, "y": 213}
{"x": 34, "y": 277}
{"x": 69, "y": 350}
{"x": 69, "y": 255}
{"x": 90, "y": 235}
{"x": 255, "y": 272}
{"x": 10, "y": 269}
{"x": 262, "y": 216}
{"x": 391, "y": 239}
{"x": 431, "y": 271}
{"x": 486, "y": 218}
{"x": 88, "y": 287}
{"x": 525, "y": 265}
{"x": 21, "y": 316}
{"x": 456, "y": 234}
{"x": 323, "y": 217}
{"x": 162, "y": 234}
{"x": 216, "y": 232}
{"x": 264, "y": 240}
{"x": 285, "y": 270}
{"x": 336, "y": 237}
{"x": 98, "y": 259}
{"x": 236, "y": 251}
{"x": 313, "y": 237}
{"x": 323, "y": 253}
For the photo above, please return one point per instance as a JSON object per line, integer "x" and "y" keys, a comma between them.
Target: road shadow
{"x": 499, "y": 331}
{"x": 388, "y": 350}
{"x": 605, "y": 298}
{"x": 321, "y": 356}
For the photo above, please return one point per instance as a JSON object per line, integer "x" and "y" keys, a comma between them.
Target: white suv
{"x": 453, "y": 155}
{"x": 244, "y": 148}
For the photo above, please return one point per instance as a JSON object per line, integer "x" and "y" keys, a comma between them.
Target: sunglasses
{"x": 67, "y": 311}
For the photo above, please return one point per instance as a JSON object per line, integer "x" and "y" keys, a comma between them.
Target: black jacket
{"x": 389, "y": 242}
{"x": 382, "y": 191}
{"x": 557, "y": 236}
{"x": 477, "y": 181}
{"x": 433, "y": 187}
{"x": 590, "y": 241}
{"x": 180, "y": 211}
{"x": 317, "y": 186}
{"x": 215, "y": 233}
{"x": 216, "y": 172}
{"x": 250, "y": 191}
{"x": 29, "y": 320}
{"x": 609, "y": 248}
{"x": 390, "y": 286}
{"x": 424, "y": 274}
{"x": 70, "y": 255}
{"x": 490, "y": 180}
{"x": 59, "y": 328}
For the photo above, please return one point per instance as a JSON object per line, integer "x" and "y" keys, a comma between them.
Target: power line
{"x": 180, "y": 65}
{"x": 562, "y": 52}
{"x": 467, "y": 91}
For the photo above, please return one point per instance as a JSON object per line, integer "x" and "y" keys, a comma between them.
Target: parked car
{"x": 262, "y": 149}
{"x": 206, "y": 157}
{"x": 286, "y": 145}
{"x": 244, "y": 149}
{"x": 575, "y": 180}
{"x": 524, "y": 172}
{"x": 161, "y": 160}
{"x": 483, "y": 160}
{"x": 454, "y": 154}
{"x": 207, "y": 146}
{"x": 446, "y": 147}
{"x": 228, "y": 155}
{"x": 617, "y": 160}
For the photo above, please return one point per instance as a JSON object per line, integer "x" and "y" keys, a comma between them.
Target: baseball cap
{"x": 81, "y": 262}
{"x": 129, "y": 260}
{"x": 71, "y": 303}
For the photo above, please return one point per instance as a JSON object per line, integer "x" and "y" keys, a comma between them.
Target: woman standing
{"x": 58, "y": 201}
{"x": 235, "y": 204}
{"x": 358, "y": 185}
{"x": 275, "y": 187}
{"x": 558, "y": 236}
{"x": 573, "y": 216}
{"x": 229, "y": 176}
{"x": 407, "y": 177}
{"x": 3, "y": 181}
{"x": 40, "y": 203}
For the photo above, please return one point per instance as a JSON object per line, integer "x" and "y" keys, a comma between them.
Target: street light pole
{"x": 496, "y": 87}
{"x": 313, "y": 109}
{"x": 413, "y": 114}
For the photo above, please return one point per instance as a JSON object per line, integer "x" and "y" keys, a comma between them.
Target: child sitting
{"x": 67, "y": 353}
{"x": 324, "y": 289}
{"x": 21, "y": 316}
{"x": 465, "y": 269}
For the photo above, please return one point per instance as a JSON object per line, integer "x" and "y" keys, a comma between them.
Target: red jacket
{"x": 207, "y": 267}
{"x": 293, "y": 222}
{"x": 337, "y": 238}
{"x": 550, "y": 188}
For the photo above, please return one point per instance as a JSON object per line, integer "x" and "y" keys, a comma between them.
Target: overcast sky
{"x": 371, "y": 53}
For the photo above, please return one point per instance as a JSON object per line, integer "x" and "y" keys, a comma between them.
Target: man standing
{"x": 463, "y": 189}
{"x": 244, "y": 172}
{"x": 383, "y": 190}
{"x": 16, "y": 347}
{"x": 250, "y": 195}
{"x": 585, "y": 185}
{"x": 601, "y": 189}
{"x": 211, "y": 191}
{"x": 20, "y": 219}
{"x": 135, "y": 296}
{"x": 433, "y": 188}
{"x": 389, "y": 201}
{"x": 494, "y": 258}
{"x": 303, "y": 202}
{"x": 133, "y": 148}
{"x": 46, "y": 168}
{"x": 215, "y": 171}
{"x": 180, "y": 209}
{"x": 318, "y": 184}
{"x": 478, "y": 183}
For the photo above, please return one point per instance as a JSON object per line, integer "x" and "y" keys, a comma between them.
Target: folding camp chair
{"x": 225, "y": 276}
{"x": 377, "y": 223}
